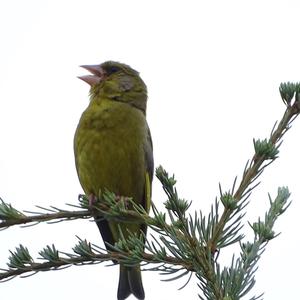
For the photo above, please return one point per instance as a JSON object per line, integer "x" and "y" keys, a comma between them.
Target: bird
{"x": 113, "y": 151}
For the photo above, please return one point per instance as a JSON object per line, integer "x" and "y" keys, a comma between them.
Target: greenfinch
{"x": 113, "y": 151}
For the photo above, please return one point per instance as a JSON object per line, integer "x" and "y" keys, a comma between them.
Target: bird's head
{"x": 117, "y": 82}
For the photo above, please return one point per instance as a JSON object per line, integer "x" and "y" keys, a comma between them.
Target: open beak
{"x": 97, "y": 74}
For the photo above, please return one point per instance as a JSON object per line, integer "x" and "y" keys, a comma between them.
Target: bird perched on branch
{"x": 113, "y": 151}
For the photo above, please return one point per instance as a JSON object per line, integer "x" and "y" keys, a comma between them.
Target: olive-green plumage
{"x": 113, "y": 151}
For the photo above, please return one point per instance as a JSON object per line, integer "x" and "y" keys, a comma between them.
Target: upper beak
{"x": 96, "y": 77}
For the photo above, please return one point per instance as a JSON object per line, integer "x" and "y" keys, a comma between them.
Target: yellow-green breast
{"x": 109, "y": 148}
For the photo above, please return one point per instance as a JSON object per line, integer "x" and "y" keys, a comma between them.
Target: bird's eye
{"x": 113, "y": 69}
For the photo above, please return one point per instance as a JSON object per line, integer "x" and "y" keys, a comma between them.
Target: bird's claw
{"x": 124, "y": 200}
{"x": 92, "y": 200}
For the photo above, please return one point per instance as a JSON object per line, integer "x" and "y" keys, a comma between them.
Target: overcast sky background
{"x": 212, "y": 69}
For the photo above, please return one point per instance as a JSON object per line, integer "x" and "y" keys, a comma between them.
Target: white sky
{"x": 212, "y": 68}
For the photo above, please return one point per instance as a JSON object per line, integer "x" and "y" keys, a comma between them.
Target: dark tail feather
{"x": 135, "y": 282}
{"x": 130, "y": 282}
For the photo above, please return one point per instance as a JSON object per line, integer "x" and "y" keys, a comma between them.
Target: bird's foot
{"x": 92, "y": 200}
{"x": 124, "y": 201}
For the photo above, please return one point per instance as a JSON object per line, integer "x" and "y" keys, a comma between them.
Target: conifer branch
{"x": 184, "y": 243}
{"x": 266, "y": 152}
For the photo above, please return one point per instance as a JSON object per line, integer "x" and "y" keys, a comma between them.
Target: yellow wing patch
{"x": 147, "y": 192}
